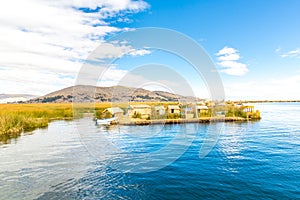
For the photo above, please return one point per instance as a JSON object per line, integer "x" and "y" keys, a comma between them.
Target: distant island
{"x": 137, "y": 105}
{"x": 125, "y": 105}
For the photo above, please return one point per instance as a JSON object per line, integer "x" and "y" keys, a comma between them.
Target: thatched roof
{"x": 114, "y": 110}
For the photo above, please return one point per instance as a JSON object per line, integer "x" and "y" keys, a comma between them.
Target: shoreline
{"x": 267, "y": 101}
{"x": 134, "y": 122}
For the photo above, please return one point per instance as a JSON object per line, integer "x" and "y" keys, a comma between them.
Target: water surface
{"x": 78, "y": 160}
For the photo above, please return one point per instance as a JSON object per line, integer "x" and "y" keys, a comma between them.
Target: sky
{"x": 254, "y": 44}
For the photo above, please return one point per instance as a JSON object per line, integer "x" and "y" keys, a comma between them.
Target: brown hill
{"x": 85, "y": 93}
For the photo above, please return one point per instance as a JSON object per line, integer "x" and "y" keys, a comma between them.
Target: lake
{"x": 79, "y": 160}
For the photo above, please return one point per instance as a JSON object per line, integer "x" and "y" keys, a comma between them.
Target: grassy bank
{"x": 15, "y": 118}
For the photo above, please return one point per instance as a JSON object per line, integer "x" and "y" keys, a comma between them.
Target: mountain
{"x": 85, "y": 93}
{"x": 11, "y": 98}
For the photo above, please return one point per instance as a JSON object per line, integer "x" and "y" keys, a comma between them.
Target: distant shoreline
{"x": 241, "y": 101}
{"x": 267, "y": 101}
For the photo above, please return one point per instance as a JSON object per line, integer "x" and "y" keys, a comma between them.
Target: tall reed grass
{"x": 16, "y": 118}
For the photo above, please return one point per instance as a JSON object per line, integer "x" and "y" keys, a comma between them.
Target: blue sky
{"x": 262, "y": 32}
{"x": 255, "y": 44}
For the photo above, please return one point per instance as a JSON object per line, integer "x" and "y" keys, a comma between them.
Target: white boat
{"x": 105, "y": 121}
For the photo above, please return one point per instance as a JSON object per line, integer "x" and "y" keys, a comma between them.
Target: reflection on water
{"x": 231, "y": 142}
{"x": 78, "y": 160}
{"x": 35, "y": 162}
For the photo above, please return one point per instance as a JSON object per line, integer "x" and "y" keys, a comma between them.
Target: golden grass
{"x": 15, "y": 118}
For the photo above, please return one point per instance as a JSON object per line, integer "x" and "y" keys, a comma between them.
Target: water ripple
{"x": 250, "y": 160}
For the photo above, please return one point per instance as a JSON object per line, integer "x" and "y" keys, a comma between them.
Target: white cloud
{"x": 229, "y": 61}
{"x": 226, "y": 51}
{"x": 110, "y": 50}
{"x": 46, "y": 40}
{"x": 116, "y": 49}
{"x": 233, "y": 68}
{"x": 139, "y": 52}
{"x": 229, "y": 57}
{"x": 292, "y": 54}
{"x": 113, "y": 74}
{"x": 112, "y": 6}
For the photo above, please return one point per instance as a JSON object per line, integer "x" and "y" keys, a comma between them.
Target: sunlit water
{"x": 78, "y": 160}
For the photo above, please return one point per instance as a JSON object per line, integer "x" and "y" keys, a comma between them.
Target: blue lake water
{"x": 78, "y": 160}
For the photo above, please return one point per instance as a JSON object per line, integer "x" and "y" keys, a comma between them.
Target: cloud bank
{"x": 43, "y": 43}
{"x": 229, "y": 62}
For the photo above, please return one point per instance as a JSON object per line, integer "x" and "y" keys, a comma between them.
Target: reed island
{"x": 16, "y": 119}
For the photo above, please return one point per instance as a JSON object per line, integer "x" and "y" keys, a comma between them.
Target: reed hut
{"x": 173, "y": 109}
{"x": 143, "y": 110}
{"x": 114, "y": 112}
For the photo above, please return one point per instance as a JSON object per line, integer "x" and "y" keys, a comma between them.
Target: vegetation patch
{"x": 16, "y": 118}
